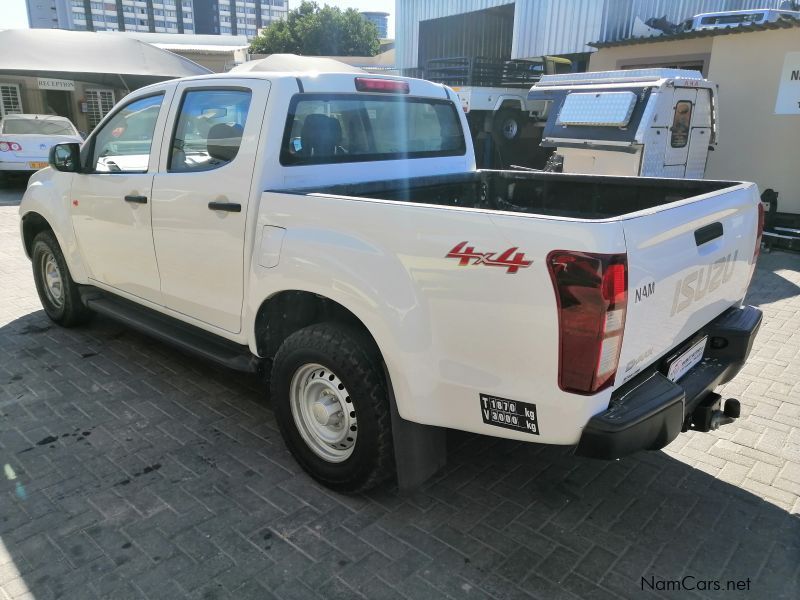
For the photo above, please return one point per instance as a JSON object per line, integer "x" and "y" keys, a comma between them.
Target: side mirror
{"x": 66, "y": 157}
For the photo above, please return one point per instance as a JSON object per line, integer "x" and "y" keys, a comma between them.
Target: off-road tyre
{"x": 355, "y": 361}
{"x": 68, "y": 310}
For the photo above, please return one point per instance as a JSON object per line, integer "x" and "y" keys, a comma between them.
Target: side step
{"x": 172, "y": 331}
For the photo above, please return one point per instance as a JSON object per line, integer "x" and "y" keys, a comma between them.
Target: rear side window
{"x": 209, "y": 129}
{"x": 336, "y": 128}
{"x": 681, "y": 123}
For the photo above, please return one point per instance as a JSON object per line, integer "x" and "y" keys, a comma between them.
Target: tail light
{"x": 592, "y": 297}
{"x": 759, "y": 231}
{"x": 391, "y": 86}
{"x": 10, "y": 147}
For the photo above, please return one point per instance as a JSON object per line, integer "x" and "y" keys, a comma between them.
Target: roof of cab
{"x": 312, "y": 80}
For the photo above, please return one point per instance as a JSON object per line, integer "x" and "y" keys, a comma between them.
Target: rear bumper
{"x": 650, "y": 411}
{"x": 17, "y": 166}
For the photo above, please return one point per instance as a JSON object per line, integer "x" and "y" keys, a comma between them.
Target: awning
{"x": 294, "y": 63}
{"x": 115, "y": 61}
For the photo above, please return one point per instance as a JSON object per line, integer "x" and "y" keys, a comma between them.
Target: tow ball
{"x": 708, "y": 416}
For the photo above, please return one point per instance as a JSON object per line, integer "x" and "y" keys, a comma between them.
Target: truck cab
{"x": 494, "y": 95}
{"x": 645, "y": 122}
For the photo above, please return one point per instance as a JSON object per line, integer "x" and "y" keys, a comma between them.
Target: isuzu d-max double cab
{"x": 332, "y": 230}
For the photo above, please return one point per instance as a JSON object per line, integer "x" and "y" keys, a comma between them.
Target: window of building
{"x": 209, "y": 130}
{"x": 681, "y": 123}
{"x": 98, "y": 103}
{"x": 10, "y": 101}
{"x": 335, "y": 128}
{"x": 123, "y": 144}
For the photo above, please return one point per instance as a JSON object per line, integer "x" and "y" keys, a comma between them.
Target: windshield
{"x": 40, "y": 126}
{"x": 330, "y": 128}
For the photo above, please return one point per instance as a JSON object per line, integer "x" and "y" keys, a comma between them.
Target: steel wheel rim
{"x": 52, "y": 279}
{"x": 510, "y": 129}
{"x": 323, "y": 412}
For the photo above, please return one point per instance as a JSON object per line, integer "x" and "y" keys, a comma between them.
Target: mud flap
{"x": 419, "y": 450}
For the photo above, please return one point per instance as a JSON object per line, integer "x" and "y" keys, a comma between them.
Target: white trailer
{"x": 646, "y": 122}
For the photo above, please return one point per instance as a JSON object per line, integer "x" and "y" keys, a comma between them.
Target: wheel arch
{"x": 508, "y": 102}
{"x": 288, "y": 311}
{"x": 32, "y": 224}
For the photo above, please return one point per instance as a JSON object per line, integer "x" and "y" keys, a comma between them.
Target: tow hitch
{"x": 708, "y": 416}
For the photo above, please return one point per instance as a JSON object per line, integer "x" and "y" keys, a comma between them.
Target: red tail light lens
{"x": 10, "y": 147}
{"x": 759, "y": 231}
{"x": 592, "y": 296}
{"x": 389, "y": 86}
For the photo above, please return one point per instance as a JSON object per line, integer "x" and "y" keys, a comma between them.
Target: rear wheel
{"x": 57, "y": 291}
{"x": 507, "y": 125}
{"x": 331, "y": 404}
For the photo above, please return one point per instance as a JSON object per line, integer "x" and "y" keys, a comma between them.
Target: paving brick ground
{"x": 132, "y": 471}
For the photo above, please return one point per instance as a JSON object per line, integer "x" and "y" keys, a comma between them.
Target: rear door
{"x": 201, "y": 196}
{"x": 677, "y": 151}
{"x": 687, "y": 264}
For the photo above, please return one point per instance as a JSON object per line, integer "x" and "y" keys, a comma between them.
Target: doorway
{"x": 59, "y": 102}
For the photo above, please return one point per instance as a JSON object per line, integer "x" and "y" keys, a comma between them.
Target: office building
{"x": 380, "y": 20}
{"x": 215, "y": 17}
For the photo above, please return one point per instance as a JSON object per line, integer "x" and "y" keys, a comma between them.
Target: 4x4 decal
{"x": 512, "y": 260}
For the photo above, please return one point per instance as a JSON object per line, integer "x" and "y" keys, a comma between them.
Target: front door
{"x": 677, "y": 151}
{"x": 201, "y": 198}
{"x": 111, "y": 204}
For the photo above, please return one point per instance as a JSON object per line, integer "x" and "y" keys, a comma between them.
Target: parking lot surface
{"x": 130, "y": 470}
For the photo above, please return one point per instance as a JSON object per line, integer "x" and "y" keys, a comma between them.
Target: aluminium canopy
{"x": 104, "y": 59}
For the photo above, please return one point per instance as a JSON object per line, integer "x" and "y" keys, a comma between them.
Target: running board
{"x": 172, "y": 331}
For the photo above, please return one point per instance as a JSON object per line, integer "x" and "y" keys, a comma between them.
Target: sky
{"x": 13, "y": 14}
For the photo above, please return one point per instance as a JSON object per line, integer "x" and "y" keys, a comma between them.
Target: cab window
{"x": 123, "y": 144}
{"x": 209, "y": 130}
{"x": 334, "y": 128}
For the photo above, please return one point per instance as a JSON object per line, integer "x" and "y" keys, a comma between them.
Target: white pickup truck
{"x": 332, "y": 230}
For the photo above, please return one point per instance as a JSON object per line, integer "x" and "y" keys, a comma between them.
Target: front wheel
{"x": 331, "y": 403}
{"x": 57, "y": 290}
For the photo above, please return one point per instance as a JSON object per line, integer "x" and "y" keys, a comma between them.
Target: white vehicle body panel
{"x": 447, "y": 332}
{"x": 491, "y": 99}
{"x": 670, "y": 299}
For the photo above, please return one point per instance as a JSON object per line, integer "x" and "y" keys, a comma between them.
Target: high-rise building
{"x": 221, "y": 17}
{"x": 380, "y": 20}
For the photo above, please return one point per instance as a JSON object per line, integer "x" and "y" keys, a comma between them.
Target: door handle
{"x": 708, "y": 233}
{"x": 225, "y": 206}
{"x": 136, "y": 199}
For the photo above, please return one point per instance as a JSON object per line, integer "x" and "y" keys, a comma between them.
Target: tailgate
{"x": 687, "y": 263}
